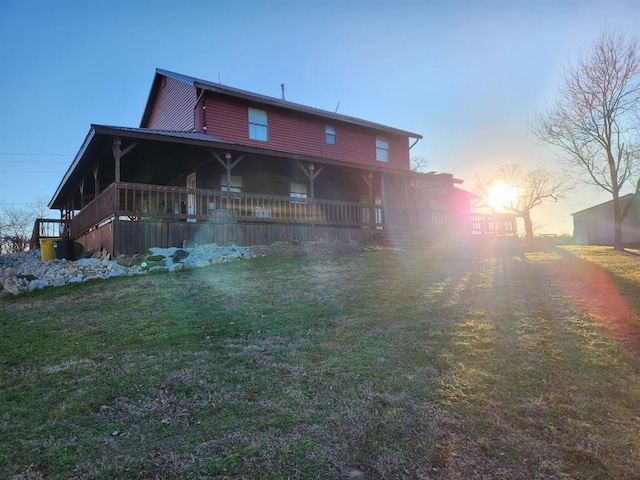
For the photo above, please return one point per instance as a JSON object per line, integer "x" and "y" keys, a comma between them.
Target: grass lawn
{"x": 380, "y": 365}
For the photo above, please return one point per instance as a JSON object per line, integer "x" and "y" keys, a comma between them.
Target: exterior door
{"x": 191, "y": 197}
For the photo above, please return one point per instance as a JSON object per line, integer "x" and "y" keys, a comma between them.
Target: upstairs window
{"x": 330, "y": 134}
{"x": 382, "y": 149}
{"x": 236, "y": 184}
{"x": 258, "y": 125}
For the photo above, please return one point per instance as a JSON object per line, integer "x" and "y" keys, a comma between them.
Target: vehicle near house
{"x": 212, "y": 163}
{"x": 595, "y": 225}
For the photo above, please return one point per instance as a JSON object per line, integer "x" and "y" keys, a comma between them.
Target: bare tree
{"x": 16, "y": 229}
{"x": 532, "y": 188}
{"x": 419, "y": 164}
{"x": 596, "y": 121}
{"x": 40, "y": 208}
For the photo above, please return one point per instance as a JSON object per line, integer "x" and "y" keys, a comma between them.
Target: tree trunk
{"x": 528, "y": 226}
{"x": 617, "y": 223}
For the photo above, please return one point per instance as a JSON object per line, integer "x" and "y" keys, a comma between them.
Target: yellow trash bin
{"x": 46, "y": 248}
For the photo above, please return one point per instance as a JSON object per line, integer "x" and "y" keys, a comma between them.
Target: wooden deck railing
{"x": 48, "y": 228}
{"x": 493, "y": 225}
{"x": 99, "y": 209}
{"x": 140, "y": 202}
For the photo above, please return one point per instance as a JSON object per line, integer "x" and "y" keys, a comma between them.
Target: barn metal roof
{"x": 266, "y": 100}
{"x": 623, "y": 198}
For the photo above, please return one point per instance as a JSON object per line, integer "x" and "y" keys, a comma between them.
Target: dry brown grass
{"x": 381, "y": 365}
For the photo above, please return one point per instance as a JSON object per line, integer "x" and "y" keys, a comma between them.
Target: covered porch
{"x": 129, "y": 218}
{"x": 129, "y": 189}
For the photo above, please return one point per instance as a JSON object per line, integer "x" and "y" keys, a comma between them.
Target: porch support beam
{"x": 368, "y": 178}
{"x": 81, "y": 187}
{"x": 118, "y": 154}
{"x": 96, "y": 183}
{"x": 311, "y": 174}
{"x": 228, "y": 164}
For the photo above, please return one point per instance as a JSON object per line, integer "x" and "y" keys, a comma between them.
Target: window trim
{"x": 329, "y": 134}
{"x": 256, "y": 127}
{"x": 236, "y": 183}
{"x": 382, "y": 148}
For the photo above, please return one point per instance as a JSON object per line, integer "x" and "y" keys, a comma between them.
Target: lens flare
{"x": 502, "y": 197}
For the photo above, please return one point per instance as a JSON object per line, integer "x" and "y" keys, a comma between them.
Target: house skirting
{"x": 127, "y": 237}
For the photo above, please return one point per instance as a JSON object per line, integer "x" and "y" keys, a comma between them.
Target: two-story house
{"x": 211, "y": 163}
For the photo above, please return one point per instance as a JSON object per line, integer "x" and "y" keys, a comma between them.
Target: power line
{"x": 33, "y": 161}
{"x": 6, "y": 172}
{"x": 24, "y": 154}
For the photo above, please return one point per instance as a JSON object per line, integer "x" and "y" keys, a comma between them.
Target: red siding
{"x": 297, "y": 133}
{"x": 173, "y": 106}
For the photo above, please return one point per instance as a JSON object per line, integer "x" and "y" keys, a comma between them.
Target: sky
{"x": 467, "y": 75}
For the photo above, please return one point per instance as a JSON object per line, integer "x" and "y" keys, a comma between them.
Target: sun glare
{"x": 502, "y": 196}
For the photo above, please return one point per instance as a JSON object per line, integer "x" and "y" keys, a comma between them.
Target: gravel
{"x": 25, "y": 272}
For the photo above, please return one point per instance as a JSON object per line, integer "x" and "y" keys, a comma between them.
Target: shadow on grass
{"x": 606, "y": 297}
{"x": 529, "y": 370}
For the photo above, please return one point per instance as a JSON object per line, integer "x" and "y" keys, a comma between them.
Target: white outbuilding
{"x": 595, "y": 226}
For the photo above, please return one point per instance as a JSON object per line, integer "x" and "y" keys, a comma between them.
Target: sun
{"x": 502, "y": 196}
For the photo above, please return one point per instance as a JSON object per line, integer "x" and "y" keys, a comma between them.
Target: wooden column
{"x": 228, "y": 163}
{"x": 118, "y": 154}
{"x": 368, "y": 178}
{"x": 96, "y": 183}
{"x": 311, "y": 174}
{"x": 81, "y": 187}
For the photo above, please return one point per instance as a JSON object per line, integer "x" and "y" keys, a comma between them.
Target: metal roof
{"x": 129, "y": 132}
{"x": 162, "y": 133}
{"x": 267, "y": 100}
{"x": 628, "y": 196}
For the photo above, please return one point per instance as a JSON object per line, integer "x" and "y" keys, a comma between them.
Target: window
{"x": 382, "y": 149}
{"x": 258, "y": 125}
{"x": 236, "y": 184}
{"x": 330, "y": 134}
{"x": 298, "y": 190}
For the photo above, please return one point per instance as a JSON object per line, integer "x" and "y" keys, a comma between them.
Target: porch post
{"x": 369, "y": 181}
{"x": 311, "y": 174}
{"x": 372, "y": 201}
{"x": 116, "y": 155}
{"x": 227, "y": 158}
{"x": 81, "y": 186}
{"x": 96, "y": 183}
{"x": 228, "y": 165}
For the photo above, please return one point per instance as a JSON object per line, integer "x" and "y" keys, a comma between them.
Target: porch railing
{"x": 48, "y": 228}
{"x": 143, "y": 202}
{"x": 494, "y": 225}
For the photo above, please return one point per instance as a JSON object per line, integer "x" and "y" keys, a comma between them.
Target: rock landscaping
{"x": 25, "y": 272}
